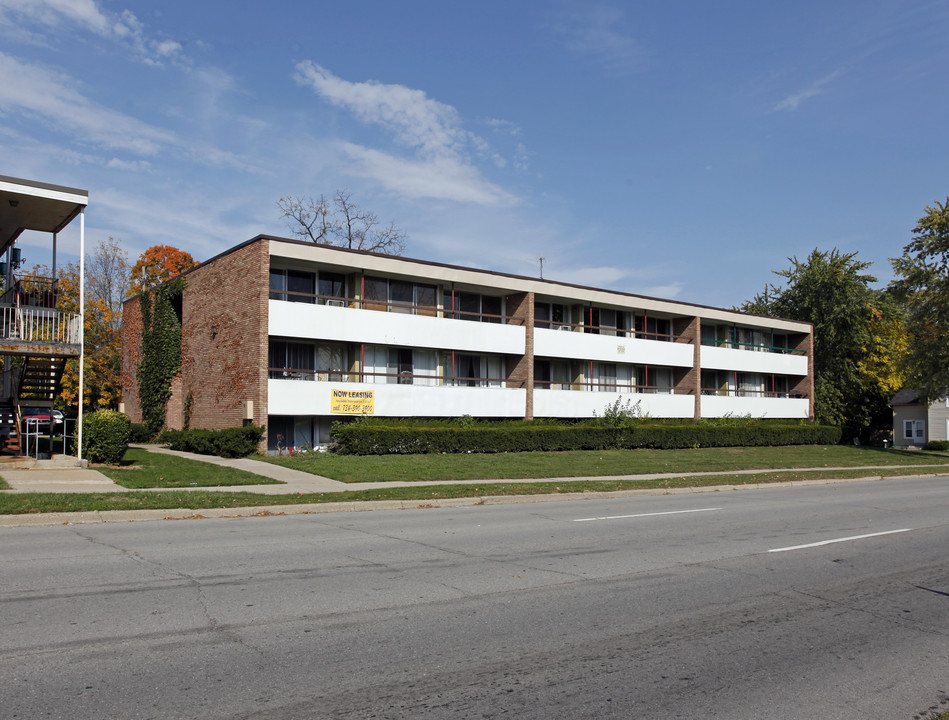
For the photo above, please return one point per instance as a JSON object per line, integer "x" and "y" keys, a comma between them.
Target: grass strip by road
{"x": 199, "y": 500}
{"x": 143, "y": 469}
{"x": 583, "y": 463}
{"x": 3, "y": 484}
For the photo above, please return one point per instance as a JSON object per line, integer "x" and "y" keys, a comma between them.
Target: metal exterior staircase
{"x": 40, "y": 379}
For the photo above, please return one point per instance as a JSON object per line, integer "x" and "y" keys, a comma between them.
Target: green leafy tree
{"x": 923, "y": 285}
{"x": 833, "y": 291}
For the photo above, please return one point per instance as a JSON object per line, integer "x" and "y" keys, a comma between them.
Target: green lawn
{"x": 423, "y": 495}
{"x": 580, "y": 463}
{"x": 142, "y": 469}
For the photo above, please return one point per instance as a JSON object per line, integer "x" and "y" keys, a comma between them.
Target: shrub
{"x": 383, "y": 438}
{"x": 938, "y": 445}
{"x": 230, "y": 442}
{"x": 105, "y": 436}
{"x": 138, "y": 433}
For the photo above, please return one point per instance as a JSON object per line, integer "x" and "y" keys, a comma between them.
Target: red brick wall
{"x": 131, "y": 344}
{"x": 805, "y": 385}
{"x": 175, "y": 409}
{"x": 223, "y": 345}
{"x": 224, "y": 338}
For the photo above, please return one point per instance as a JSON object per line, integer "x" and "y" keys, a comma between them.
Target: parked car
{"x": 45, "y": 420}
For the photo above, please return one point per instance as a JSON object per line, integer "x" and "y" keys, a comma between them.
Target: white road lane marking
{"x": 623, "y": 517}
{"x": 838, "y": 540}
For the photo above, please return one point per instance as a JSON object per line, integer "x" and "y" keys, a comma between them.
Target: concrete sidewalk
{"x": 294, "y": 481}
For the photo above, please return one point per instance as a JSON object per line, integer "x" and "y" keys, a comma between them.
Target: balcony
{"x": 349, "y": 324}
{"x": 755, "y": 403}
{"x": 612, "y": 348}
{"x": 654, "y": 402}
{"x": 31, "y": 324}
{"x": 789, "y": 362}
{"x": 291, "y": 397}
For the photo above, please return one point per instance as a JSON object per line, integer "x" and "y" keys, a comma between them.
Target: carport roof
{"x": 31, "y": 205}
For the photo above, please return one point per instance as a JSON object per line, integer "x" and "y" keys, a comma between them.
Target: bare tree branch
{"x": 340, "y": 222}
{"x": 307, "y": 218}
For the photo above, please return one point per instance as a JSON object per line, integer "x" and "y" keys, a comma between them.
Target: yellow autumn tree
{"x": 884, "y": 356}
{"x": 107, "y": 284}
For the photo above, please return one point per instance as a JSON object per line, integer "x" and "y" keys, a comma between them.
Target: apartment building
{"x": 294, "y": 336}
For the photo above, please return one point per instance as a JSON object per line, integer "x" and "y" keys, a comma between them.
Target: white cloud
{"x": 414, "y": 118}
{"x": 122, "y": 27}
{"x": 55, "y": 12}
{"x": 36, "y": 91}
{"x": 443, "y": 178}
{"x": 441, "y": 168}
{"x": 601, "y": 32}
{"x": 792, "y": 102}
{"x": 137, "y": 165}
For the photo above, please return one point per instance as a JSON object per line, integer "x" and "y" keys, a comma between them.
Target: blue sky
{"x": 677, "y": 149}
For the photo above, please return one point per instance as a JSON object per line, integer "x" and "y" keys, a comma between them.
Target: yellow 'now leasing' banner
{"x": 353, "y": 402}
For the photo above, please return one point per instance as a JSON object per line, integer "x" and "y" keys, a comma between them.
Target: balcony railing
{"x": 391, "y": 378}
{"x": 732, "y": 392}
{"x": 604, "y": 387}
{"x": 32, "y": 291}
{"x": 389, "y": 306}
{"x": 609, "y": 330}
{"x": 757, "y": 347}
{"x": 38, "y": 324}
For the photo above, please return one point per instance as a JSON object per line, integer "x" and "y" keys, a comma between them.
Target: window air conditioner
{"x": 336, "y": 303}
{"x": 566, "y": 327}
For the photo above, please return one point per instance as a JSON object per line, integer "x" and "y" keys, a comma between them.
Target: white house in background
{"x": 916, "y": 424}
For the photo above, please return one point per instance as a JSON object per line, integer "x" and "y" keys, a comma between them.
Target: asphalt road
{"x": 679, "y": 606}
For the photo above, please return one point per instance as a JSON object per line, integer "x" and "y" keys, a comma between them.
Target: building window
{"x": 551, "y": 315}
{"x": 914, "y": 430}
{"x": 606, "y": 321}
{"x": 400, "y": 296}
{"x": 332, "y": 288}
{"x": 477, "y": 307}
{"x": 292, "y": 285}
{"x": 652, "y": 328}
{"x": 552, "y": 374}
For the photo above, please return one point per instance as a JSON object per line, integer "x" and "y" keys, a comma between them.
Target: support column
{"x": 689, "y": 382}
{"x": 520, "y": 370}
{"x": 82, "y": 326}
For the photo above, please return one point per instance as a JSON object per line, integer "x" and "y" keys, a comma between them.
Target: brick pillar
{"x": 689, "y": 382}
{"x": 805, "y": 385}
{"x": 520, "y": 370}
{"x": 131, "y": 345}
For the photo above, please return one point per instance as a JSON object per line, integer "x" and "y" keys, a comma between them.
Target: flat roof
{"x": 32, "y": 205}
{"x": 408, "y": 267}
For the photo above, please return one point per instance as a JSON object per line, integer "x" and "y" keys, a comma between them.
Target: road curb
{"x": 117, "y": 516}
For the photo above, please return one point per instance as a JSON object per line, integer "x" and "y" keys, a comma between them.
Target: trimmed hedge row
{"x": 230, "y": 442}
{"x": 365, "y": 439}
